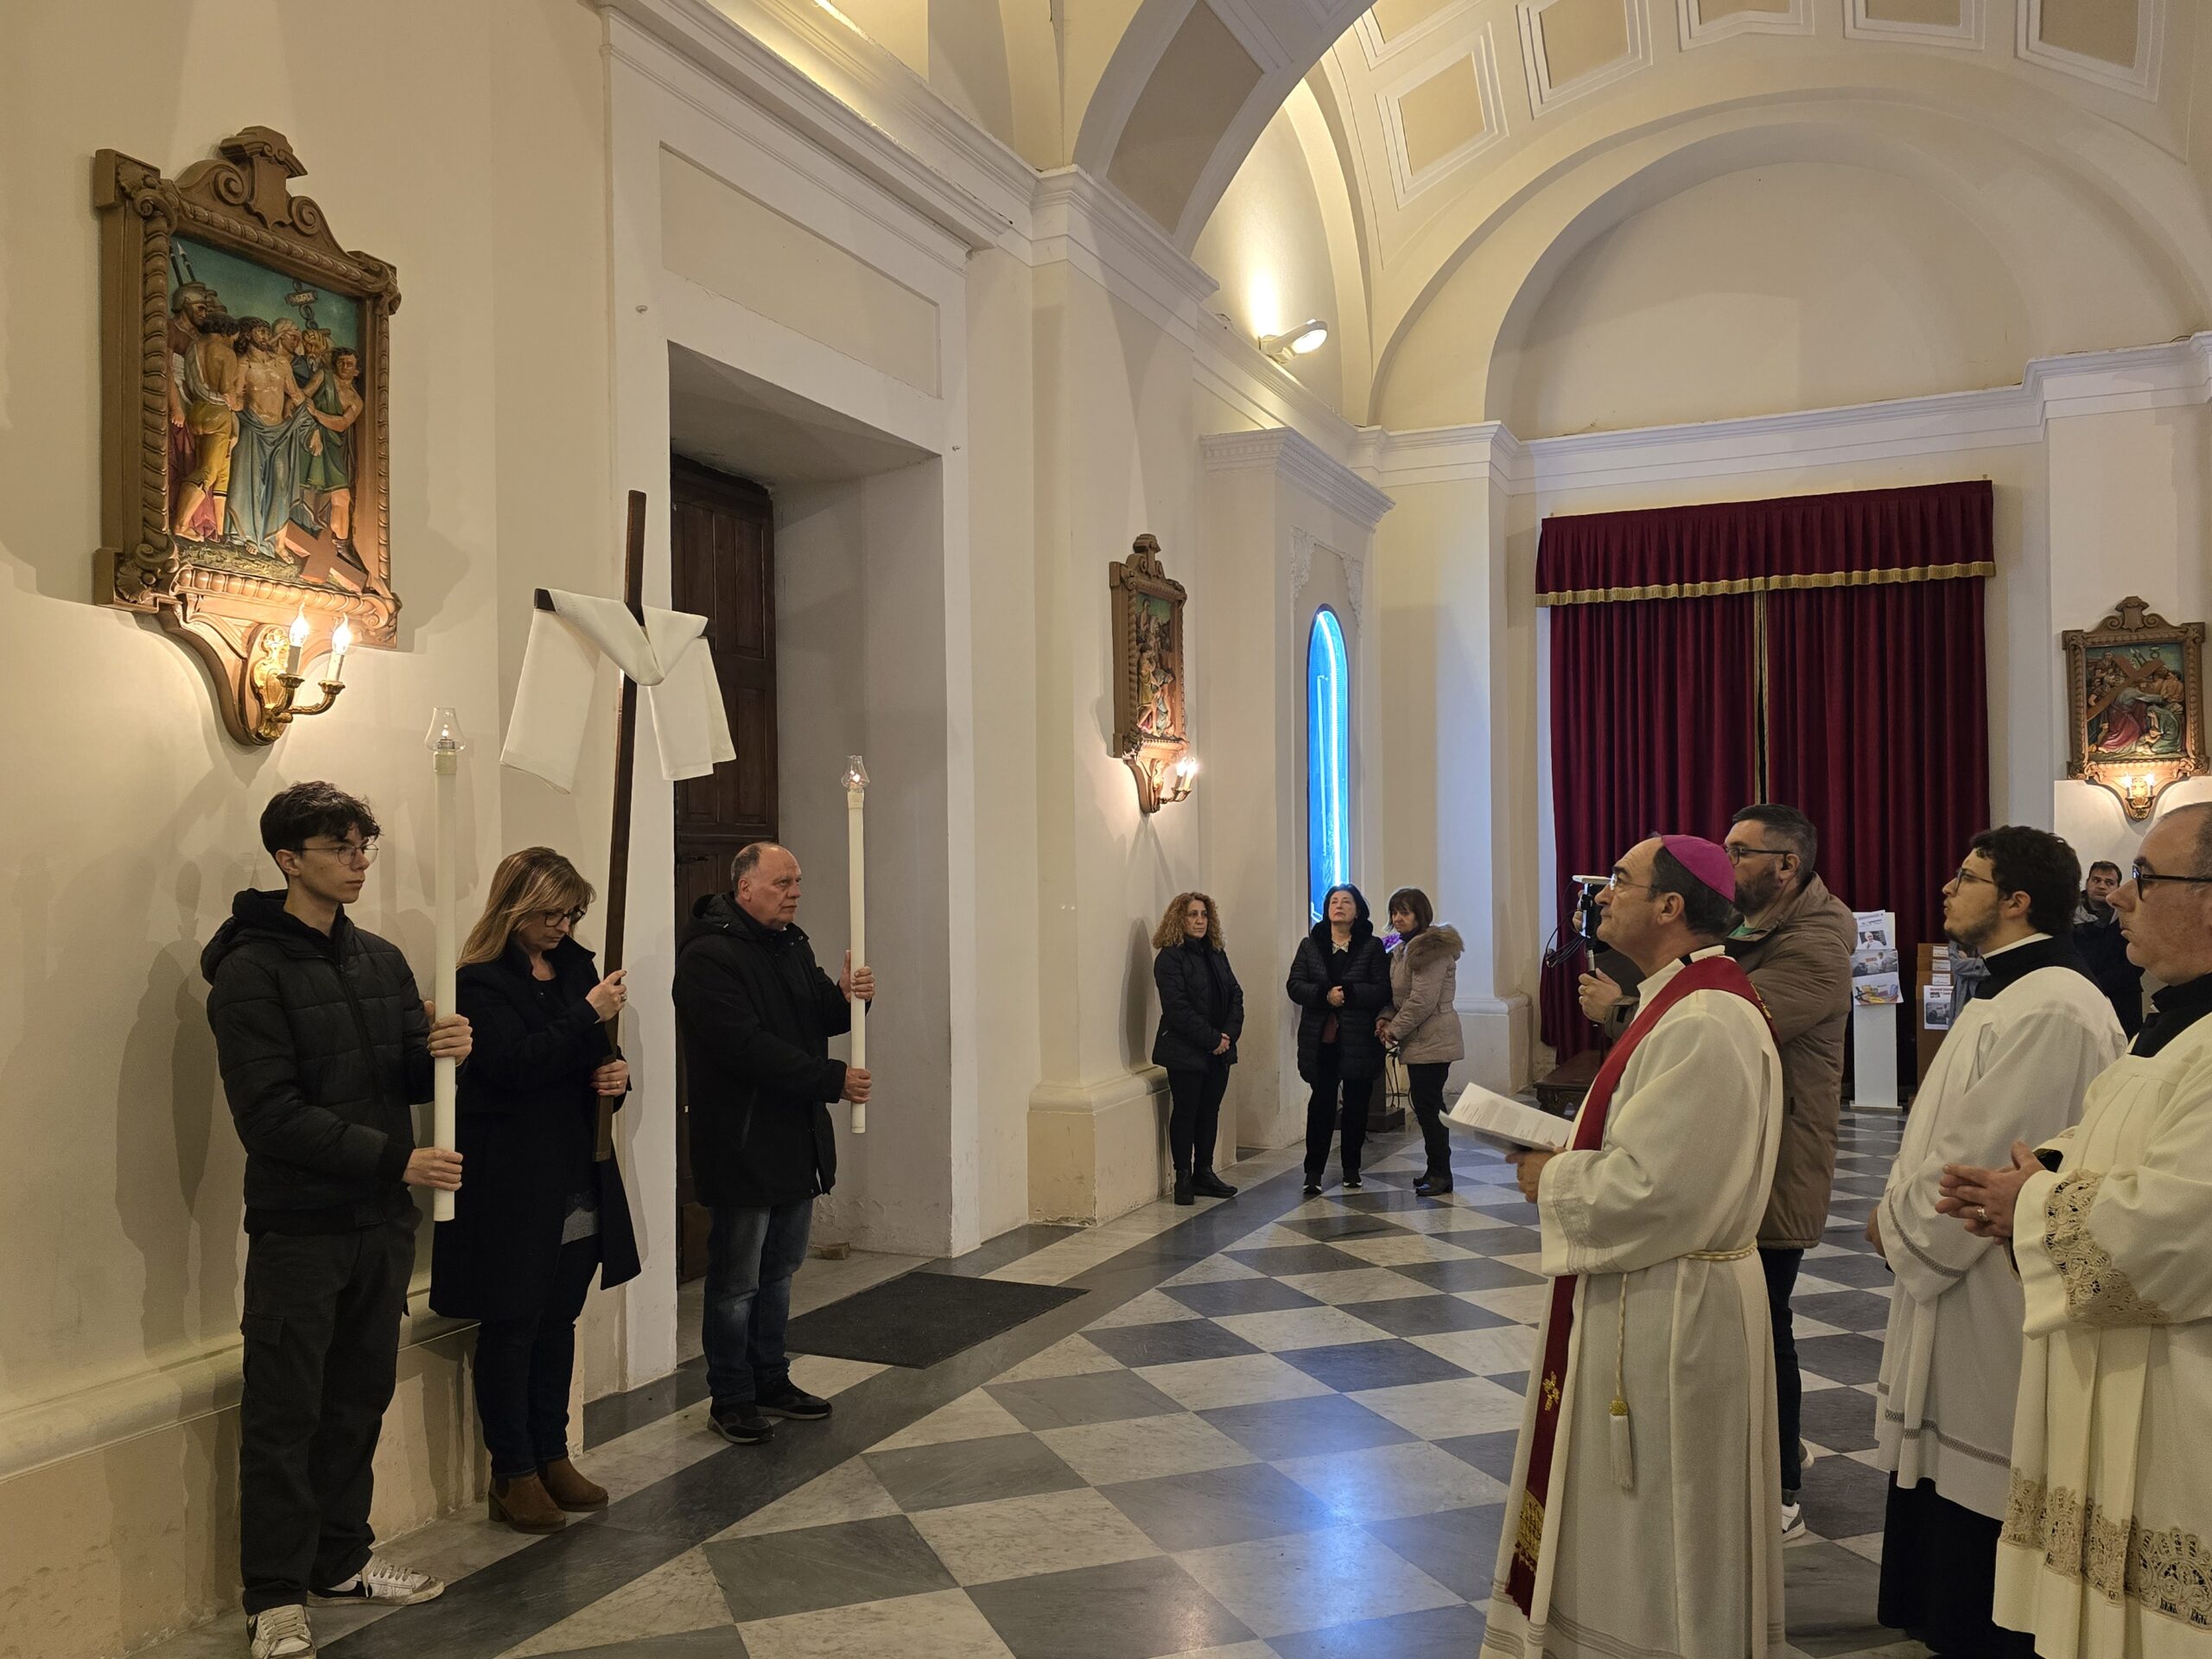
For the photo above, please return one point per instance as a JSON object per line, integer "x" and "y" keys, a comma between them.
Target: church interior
{"x": 1417, "y": 337}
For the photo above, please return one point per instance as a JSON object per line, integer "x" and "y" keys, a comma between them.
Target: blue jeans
{"x": 750, "y": 1256}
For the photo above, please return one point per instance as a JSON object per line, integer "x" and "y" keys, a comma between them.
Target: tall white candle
{"x": 445, "y": 758}
{"x": 857, "y": 874}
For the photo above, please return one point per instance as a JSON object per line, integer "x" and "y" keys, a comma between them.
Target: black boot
{"x": 1182, "y": 1188}
{"x": 1207, "y": 1184}
{"x": 1434, "y": 1184}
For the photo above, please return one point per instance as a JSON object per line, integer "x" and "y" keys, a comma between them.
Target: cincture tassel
{"x": 1624, "y": 1444}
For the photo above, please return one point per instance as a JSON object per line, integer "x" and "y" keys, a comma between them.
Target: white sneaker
{"x": 386, "y": 1584}
{"x": 1793, "y": 1522}
{"x": 280, "y": 1632}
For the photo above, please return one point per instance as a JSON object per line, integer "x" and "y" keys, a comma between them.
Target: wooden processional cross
{"x": 625, "y": 757}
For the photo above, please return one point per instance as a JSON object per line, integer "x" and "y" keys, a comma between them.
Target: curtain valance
{"x": 1931, "y": 532}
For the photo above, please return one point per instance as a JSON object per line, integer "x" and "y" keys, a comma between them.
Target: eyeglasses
{"x": 1738, "y": 855}
{"x": 554, "y": 917}
{"x": 2145, "y": 879}
{"x": 1616, "y": 883}
{"x": 1960, "y": 878}
{"x": 359, "y": 854}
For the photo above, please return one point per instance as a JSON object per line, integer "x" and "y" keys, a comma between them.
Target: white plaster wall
{"x": 1268, "y": 245}
{"x": 1792, "y": 286}
{"x": 133, "y": 821}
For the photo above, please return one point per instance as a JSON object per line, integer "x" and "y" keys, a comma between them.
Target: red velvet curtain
{"x": 1875, "y": 712}
{"x": 1654, "y": 722}
{"x": 1877, "y": 729}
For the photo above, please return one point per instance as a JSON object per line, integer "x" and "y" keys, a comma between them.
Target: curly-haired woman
{"x": 1201, "y": 1015}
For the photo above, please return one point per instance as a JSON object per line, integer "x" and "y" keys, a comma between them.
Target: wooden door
{"x": 723, "y": 552}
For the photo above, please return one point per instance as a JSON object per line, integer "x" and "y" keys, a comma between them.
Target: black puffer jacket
{"x": 323, "y": 1043}
{"x": 528, "y": 1120}
{"x": 1364, "y": 970}
{"x": 754, "y": 1016}
{"x": 1200, "y": 1003}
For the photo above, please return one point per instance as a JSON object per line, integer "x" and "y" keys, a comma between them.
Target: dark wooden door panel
{"x": 723, "y": 554}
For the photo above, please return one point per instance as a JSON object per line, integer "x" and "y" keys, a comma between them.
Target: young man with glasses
{"x": 324, "y": 1043}
{"x": 2016, "y": 1066}
{"x": 2111, "y": 1227}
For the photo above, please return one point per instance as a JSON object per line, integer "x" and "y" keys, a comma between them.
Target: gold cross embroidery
{"x": 1551, "y": 1393}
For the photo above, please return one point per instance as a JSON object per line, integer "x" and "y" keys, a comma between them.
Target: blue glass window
{"x": 1328, "y": 761}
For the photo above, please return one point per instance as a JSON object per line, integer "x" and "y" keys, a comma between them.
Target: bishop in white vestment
{"x": 1643, "y": 1519}
{"x": 2015, "y": 1067}
{"x": 2106, "y": 1548}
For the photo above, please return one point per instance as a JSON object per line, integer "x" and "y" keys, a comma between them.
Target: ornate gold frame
{"x": 235, "y": 622}
{"x": 1150, "y": 733}
{"x": 2135, "y": 779}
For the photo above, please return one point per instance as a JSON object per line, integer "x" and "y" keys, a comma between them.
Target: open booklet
{"x": 1507, "y": 1124}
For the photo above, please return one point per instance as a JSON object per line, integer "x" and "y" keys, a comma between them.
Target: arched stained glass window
{"x": 1328, "y": 761}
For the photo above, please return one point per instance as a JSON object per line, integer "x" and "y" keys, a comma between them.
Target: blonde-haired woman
{"x": 1201, "y": 1016}
{"x": 538, "y": 1216}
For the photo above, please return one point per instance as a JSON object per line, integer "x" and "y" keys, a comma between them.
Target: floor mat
{"x": 920, "y": 1319}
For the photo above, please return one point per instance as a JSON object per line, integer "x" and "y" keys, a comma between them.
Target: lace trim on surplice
{"x": 2163, "y": 1570}
{"x": 2097, "y": 1292}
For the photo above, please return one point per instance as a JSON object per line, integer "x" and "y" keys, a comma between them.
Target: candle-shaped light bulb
{"x": 340, "y": 643}
{"x": 299, "y": 639}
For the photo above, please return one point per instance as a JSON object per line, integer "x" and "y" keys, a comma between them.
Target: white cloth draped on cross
{"x": 668, "y": 656}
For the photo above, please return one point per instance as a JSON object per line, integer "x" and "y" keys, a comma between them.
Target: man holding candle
{"x": 324, "y": 1043}
{"x": 755, "y": 1016}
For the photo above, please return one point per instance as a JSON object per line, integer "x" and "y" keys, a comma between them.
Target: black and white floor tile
{"x": 1274, "y": 1426}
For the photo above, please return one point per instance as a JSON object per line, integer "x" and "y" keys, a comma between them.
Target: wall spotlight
{"x": 1308, "y": 336}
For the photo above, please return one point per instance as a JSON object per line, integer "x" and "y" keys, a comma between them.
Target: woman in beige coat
{"x": 1422, "y": 1024}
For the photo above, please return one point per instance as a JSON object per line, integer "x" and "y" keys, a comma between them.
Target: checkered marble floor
{"x": 1294, "y": 1443}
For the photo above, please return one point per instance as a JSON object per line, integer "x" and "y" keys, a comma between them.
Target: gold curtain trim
{"x": 1769, "y": 584}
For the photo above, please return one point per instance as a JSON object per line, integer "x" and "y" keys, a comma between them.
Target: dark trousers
{"x": 1426, "y": 1083}
{"x": 322, "y": 1328}
{"x": 1194, "y": 1116}
{"x": 522, "y": 1368}
{"x": 1938, "y": 1577}
{"x": 750, "y": 1256}
{"x": 1781, "y": 1269}
{"x": 1322, "y": 1113}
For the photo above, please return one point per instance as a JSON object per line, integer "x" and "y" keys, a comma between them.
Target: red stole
{"x": 1707, "y": 974}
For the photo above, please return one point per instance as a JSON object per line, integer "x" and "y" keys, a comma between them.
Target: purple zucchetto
{"x": 1706, "y": 860}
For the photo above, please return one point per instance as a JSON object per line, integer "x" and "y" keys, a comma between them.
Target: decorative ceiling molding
{"x": 1406, "y": 181}
{"x": 1546, "y": 95}
{"x": 2173, "y": 376}
{"x": 1377, "y": 49}
{"x": 2139, "y": 80}
{"x": 1094, "y": 226}
{"x": 1293, "y": 456}
{"x": 1967, "y": 34}
{"x": 1697, "y": 31}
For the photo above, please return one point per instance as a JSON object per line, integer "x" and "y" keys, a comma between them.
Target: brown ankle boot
{"x": 569, "y": 1487}
{"x": 524, "y": 1504}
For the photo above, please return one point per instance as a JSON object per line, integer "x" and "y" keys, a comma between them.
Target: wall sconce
{"x": 1309, "y": 336}
{"x": 2138, "y": 793}
{"x": 277, "y": 689}
{"x": 1163, "y": 779}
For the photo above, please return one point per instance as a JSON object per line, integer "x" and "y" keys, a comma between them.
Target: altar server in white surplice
{"x": 2107, "y": 1549}
{"x": 1643, "y": 1516}
{"x": 2015, "y": 1067}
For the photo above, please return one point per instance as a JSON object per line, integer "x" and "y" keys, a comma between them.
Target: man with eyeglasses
{"x": 2103, "y": 1547}
{"x": 2015, "y": 1067}
{"x": 1795, "y": 942}
{"x": 2104, "y": 947}
{"x": 1642, "y": 1517}
{"x": 324, "y": 1043}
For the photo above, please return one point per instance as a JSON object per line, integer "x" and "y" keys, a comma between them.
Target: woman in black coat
{"x": 1201, "y": 1016}
{"x": 1340, "y": 979}
{"x": 536, "y": 1215}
